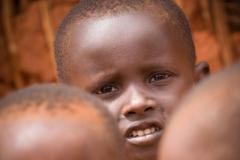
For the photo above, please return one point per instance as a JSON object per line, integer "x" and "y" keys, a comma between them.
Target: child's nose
{"x": 138, "y": 104}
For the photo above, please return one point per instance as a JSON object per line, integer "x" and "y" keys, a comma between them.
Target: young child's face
{"x": 42, "y": 138}
{"x": 138, "y": 65}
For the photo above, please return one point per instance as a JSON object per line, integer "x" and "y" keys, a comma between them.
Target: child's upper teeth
{"x": 153, "y": 129}
{"x": 143, "y": 132}
{"x": 135, "y": 133}
{"x": 147, "y": 131}
{"x": 140, "y": 132}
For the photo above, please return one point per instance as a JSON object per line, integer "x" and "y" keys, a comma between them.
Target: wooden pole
{"x": 24, "y": 4}
{"x": 205, "y": 5}
{"x": 48, "y": 32}
{"x": 222, "y": 31}
{"x": 12, "y": 47}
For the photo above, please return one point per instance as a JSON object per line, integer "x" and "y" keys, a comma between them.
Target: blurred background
{"x": 28, "y": 27}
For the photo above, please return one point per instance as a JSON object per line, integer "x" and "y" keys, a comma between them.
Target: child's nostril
{"x": 148, "y": 109}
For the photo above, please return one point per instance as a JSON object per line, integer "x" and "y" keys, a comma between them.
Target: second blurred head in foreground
{"x": 207, "y": 127}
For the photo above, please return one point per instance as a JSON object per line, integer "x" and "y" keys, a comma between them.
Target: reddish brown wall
{"x": 34, "y": 52}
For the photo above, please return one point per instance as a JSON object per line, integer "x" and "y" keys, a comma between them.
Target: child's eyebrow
{"x": 101, "y": 77}
{"x": 157, "y": 65}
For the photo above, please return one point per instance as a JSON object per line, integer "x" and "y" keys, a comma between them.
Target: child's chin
{"x": 148, "y": 152}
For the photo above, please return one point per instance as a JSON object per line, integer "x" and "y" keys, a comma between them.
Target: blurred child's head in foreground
{"x": 57, "y": 122}
{"x": 207, "y": 123}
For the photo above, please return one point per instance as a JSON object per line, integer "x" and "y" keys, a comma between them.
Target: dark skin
{"x": 43, "y": 137}
{"x": 206, "y": 127}
{"x": 136, "y": 64}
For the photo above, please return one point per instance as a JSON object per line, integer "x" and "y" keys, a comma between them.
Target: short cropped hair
{"x": 97, "y": 8}
{"x": 51, "y": 97}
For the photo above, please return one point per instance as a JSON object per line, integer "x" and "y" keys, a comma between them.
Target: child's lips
{"x": 144, "y": 134}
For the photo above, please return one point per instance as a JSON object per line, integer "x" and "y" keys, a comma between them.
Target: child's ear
{"x": 202, "y": 70}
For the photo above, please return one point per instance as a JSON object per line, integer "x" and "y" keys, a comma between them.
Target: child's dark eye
{"x": 108, "y": 88}
{"x": 158, "y": 77}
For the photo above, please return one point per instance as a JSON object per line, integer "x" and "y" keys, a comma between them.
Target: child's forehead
{"x": 137, "y": 22}
{"x": 124, "y": 26}
{"x": 128, "y": 31}
{"x": 110, "y": 41}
